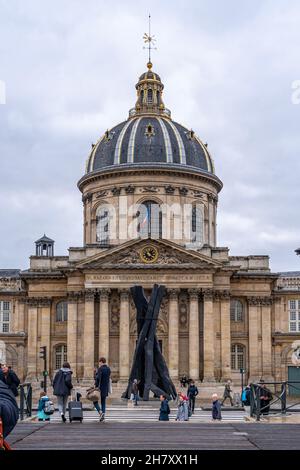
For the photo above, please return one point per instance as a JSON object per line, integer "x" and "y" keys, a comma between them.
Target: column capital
{"x": 208, "y": 294}
{"x": 258, "y": 301}
{"x": 194, "y": 293}
{"x": 38, "y": 301}
{"x": 222, "y": 294}
{"x": 75, "y": 296}
{"x": 104, "y": 293}
{"x": 124, "y": 294}
{"x": 173, "y": 293}
{"x": 90, "y": 294}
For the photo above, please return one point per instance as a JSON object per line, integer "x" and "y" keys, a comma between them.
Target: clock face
{"x": 149, "y": 254}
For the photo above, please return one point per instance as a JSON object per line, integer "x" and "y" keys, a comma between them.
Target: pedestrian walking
{"x": 42, "y": 416}
{"x": 183, "y": 409}
{"x": 103, "y": 383}
{"x": 227, "y": 393}
{"x": 216, "y": 408}
{"x": 9, "y": 413}
{"x": 246, "y": 401}
{"x": 62, "y": 386}
{"x": 184, "y": 381}
{"x": 10, "y": 378}
{"x": 164, "y": 410}
{"x": 265, "y": 398}
{"x": 192, "y": 392}
{"x": 135, "y": 392}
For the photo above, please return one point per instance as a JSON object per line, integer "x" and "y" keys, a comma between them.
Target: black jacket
{"x": 192, "y": 391}
{"x": 9, "y": 410}
{"x": 164, "y": 411}
{"x": 12, "y": 381}
{"x": 102, "y": 380}
{"x": 62, "y": 383}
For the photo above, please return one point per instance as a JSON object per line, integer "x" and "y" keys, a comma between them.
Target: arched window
{"x": 238, "y": 357}
{"x": 103, "y": 225}
{"x": 62, "y": 311}
{"x": 149, "y": 220}
{"x": 150, "y": 95}
{"x": 236, "y": 310}
{"x": 60, "y": 355}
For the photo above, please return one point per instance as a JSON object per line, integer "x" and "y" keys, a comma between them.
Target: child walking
{"x": 216, "y": 408}
{"x": 42, "y": 416}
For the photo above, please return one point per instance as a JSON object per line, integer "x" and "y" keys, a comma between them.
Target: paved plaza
{"x": 113, "y": 435}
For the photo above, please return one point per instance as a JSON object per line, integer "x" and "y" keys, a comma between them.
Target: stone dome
{"x": 149, "y": 140}
{"x": 149, "y": 137}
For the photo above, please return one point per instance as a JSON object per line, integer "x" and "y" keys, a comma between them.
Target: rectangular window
{"x": 294, "y": 316}
{"x": 5, "y": 316}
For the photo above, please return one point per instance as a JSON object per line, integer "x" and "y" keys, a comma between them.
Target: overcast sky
{"x": 69, "y": 68}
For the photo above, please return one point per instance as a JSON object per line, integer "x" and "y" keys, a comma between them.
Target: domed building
{"x": 150, "y": 196}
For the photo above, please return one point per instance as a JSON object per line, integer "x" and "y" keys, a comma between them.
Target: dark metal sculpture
{"x": 149, "y": 366}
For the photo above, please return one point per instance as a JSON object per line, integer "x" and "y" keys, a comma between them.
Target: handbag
{"x": 93, "y": 394}
{"x": 3, "y": 444}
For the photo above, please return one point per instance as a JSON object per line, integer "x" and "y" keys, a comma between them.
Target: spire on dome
{"x": 149, "y": 87}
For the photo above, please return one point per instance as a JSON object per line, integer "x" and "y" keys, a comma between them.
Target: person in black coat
{"x": 164, "y": 409}
{"x": 102, "y": 382}
{"x": 9, "y": 411}
{"x": 216, "y": 408}
{"x": 62, "y": 386}
{"x": 10, "y": 378}
{"x": 191, "y": 394}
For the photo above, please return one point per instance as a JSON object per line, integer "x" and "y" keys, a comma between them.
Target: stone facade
{"x": 220, "y": 313}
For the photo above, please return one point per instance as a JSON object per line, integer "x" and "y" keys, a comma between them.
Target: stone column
{"x": 253, "y": 305}
{"x": 277, "y": 314}
{"x": 173, "y": 334}
{"x": 124, "y": 335}
{"x": 266, "y": 339}
{"x": 194, "y": 348}
{"x": 32, "y": 339}
{"x": 89, "y": 335}
{"x": 104, "y": 324}
{"x": 21, "y": 315}
{"x": 225, "y": 336}
{"x": 72, "y": 330}
{"x": 208, "y": 337}
{"x": 45, "y": 316}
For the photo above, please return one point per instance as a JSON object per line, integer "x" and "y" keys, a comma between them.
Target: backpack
{"x": 49, "y": 407}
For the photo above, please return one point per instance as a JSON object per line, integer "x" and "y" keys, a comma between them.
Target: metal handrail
{"x": 25, "y": 390}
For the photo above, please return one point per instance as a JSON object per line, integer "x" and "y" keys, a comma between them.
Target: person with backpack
{"x": 246, "y": 401}
{"x": 164, "y": 409}
{"x": 62, "y": 386}
{"x": 45, "y": 407}
{"x": 191, "y": 394}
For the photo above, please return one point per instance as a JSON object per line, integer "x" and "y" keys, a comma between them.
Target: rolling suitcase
{"x": 75, "y": 410}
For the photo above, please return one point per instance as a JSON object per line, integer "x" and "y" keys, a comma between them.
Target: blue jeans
{"x": 103, "y": 405}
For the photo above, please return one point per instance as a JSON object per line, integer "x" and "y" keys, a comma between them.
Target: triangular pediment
{"x": 135, "y": 254}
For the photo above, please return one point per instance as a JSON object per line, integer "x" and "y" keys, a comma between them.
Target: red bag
{"x": 3, "y": 444}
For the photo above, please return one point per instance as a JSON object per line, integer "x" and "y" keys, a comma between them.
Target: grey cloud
{"x": 70, "y": 68}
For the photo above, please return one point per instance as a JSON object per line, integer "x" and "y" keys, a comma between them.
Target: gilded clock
{"x": 149, "y": 254}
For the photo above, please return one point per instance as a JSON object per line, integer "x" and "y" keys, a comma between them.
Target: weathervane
{"x": 150, "y": 39}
